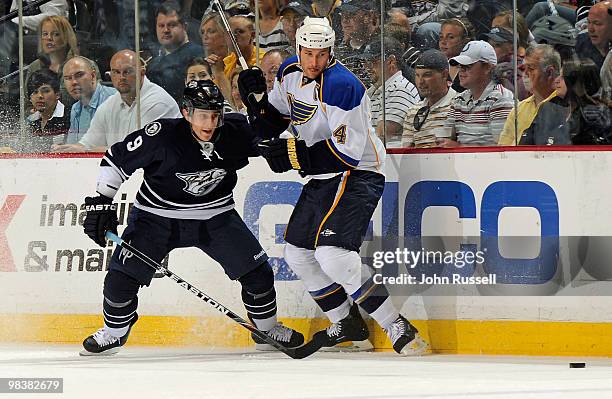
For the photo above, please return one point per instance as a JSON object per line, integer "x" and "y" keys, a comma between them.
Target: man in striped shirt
{"x": 477, "y": 115}
{"x": 424, "y": 121}
{"x": 400, "y": 94}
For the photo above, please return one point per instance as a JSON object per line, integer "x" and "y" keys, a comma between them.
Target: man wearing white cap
{"x": 477, "y": 115}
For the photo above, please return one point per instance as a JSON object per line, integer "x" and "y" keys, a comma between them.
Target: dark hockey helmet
{"x": 203, "y": 94}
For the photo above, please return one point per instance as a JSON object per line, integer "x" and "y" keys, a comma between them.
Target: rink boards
{"x": 550, "y": 293}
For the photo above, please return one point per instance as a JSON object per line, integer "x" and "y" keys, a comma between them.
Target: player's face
{"x": 170, "y": 31}
{"x": 79, "y": 80}
{"x": 50, "y": 38}
{"x": 197, "y": 72}
{"x": 203, "y": 122}
{"x": 44, "y": 99}
{"x": 314, "y": 61}
{"x": 451, "y": 40}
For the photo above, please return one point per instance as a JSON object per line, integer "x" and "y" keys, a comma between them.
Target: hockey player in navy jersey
{"x": 185, "y": 200}
{"x": 327, "y": 109}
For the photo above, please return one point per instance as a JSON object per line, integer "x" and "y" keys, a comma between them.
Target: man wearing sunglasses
{"x": 425, "y": 120}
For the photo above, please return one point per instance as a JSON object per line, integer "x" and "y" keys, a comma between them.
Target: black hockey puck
{"x": 577, "y": 365}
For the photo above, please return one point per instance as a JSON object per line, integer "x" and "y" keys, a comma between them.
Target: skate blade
{"x": 108, "y": 352}
{"x": 416, "y": 347}
{"x": 350, "y": 346}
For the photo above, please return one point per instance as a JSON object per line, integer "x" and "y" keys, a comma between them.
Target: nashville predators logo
{"x": 301, "y": 112}
{"x": 202, "y": 183}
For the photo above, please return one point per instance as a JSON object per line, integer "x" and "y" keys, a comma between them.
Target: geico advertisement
{"x": 515, "y": 216}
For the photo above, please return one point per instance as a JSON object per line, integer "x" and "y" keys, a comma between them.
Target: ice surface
{"x": 138, "y": 372}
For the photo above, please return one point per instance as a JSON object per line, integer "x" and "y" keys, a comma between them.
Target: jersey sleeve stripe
{"x": 342, "y": 157}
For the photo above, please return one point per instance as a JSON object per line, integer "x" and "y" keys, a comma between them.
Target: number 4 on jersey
{"x": 340, "y": 134}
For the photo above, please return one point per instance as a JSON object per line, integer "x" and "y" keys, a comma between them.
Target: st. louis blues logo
{"x": 301, "y": 112}
{"x": 202, "y": 183}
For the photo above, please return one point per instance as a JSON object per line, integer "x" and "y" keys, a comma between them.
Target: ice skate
{"x": 351, "y": 328}
{"x": 286, "y": 336}
{"x": 103, "y": 344}
{"x": 405, "y": 338}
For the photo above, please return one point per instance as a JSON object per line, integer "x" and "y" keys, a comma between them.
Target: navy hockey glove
{"x": 252, "y": 85}
{"x": 285, "y": 154}
{"x": 101, "y": 217}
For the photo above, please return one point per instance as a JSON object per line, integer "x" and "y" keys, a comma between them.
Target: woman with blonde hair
{"x": 454, "y": 34}
{"x": 56, "y": 44}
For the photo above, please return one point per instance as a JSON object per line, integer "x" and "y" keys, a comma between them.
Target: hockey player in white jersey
{"x": 327, "y": 109}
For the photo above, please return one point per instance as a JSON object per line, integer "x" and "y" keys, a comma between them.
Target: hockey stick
{"x": 241, "y": 59}
{"x": 295, "y": 353}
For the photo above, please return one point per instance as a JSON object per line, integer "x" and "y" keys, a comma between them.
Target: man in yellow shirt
{"x": 542, "y": 68}
{"x": 244, "y": 32}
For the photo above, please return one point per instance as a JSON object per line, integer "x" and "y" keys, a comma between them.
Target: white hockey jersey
{"x": 335, "y": 108}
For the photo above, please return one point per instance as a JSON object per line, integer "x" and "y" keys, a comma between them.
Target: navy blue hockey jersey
{"x": 183, "y": 177}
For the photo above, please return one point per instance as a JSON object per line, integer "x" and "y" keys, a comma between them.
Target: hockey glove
{"x": 101, "y": 217}
{"x": 285, "y": 154}
{"x": 252, "y": 88}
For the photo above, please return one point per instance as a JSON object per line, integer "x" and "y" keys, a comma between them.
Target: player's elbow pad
{"x": 268, "y": 122}
{"x": 323, "y": 159}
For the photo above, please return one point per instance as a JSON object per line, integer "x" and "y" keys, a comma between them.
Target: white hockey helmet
{"x": 315, "y": 33}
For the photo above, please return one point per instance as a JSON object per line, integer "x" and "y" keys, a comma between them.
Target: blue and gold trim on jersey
{"x": 342, "y": 157}
{"x": 299, "y": 111}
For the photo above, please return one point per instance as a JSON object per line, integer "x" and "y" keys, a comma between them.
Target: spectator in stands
{"x": 504, "y": 20}
{"x": 271, "y": 34}
{"x": 214, "y": 41}
{"x": 400, "y": 94}
{"x": 455, "y": 33}
{"x": 175, "y": 52}
{"x": 89, "y": 93}
{"x": 236, "y": 99}
{"x": 244, "y": 32}
{"x": 477, "y": 115}
{"x": 117, "y": 116}
{"x": 198, "y": 69}
{"x": 427, "y": 16}
{"x": 542, "y": 68}
{"x": 595, "y": 44}
{"x": 557, "y": 32}
{"x": 410, "y": 54}
{"x": 292, "y": 16}
{"x": 398, "y": 16}
{"x": 424, "y": 121}
{"x": 543, "y": 8}
{"x": 32, "y": 18}
{"x": 502, "y": 41}
{"x": 360, "y": 20}
{"x": 589, "y": 116}
{"x": 57, "y": 44}
{"x": 270, "y": 63}
{"x": 50, "y": 122}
